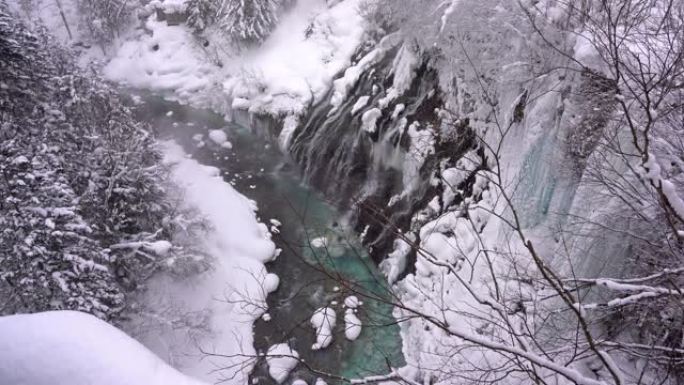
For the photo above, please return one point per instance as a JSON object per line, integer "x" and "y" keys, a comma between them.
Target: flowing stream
{"x": 310, "y": 277}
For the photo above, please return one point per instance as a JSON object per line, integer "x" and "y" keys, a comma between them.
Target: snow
{"x": 586, "y": 53}
{"x": 230, "y": 294}
{"x": 352, "y": 302}
{"x": 351, "y": 76}
{"x": 291, "y": 69}
{"x": 398, "y": 109}
{"x": 360, "y": 103}
{"x": 271, "y": 282}
{"x": 447, "y": 13}
{"x": 160, "y": 248}
{"x": 352, "y": 325}
{"x": 369, "y": 120}
{"x": 281, "y": 359}
{"x": 319, "y": 242}
{"x": 218, "y": 136}
{"x": 21, "y": 159}
{"x": 323, "y": 321}
{"x": 167, "y": 60}
{"x": 73, "y": 348}
{"x": 404, "y": 70}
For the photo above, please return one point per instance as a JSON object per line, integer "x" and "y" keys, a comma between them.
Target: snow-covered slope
{"x": 293, "y": 68}
{"x": 200, "y": 323}
{"x": 73, "y": 348}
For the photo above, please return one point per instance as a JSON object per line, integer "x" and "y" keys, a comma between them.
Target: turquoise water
{"x": 310, "y": 277}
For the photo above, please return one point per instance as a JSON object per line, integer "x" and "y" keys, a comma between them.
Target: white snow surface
{"x": 352, "y": 302}
{"x": 369, "y": 120}
{"x": 352, "y": 325}
{"x": 271, "y": 282}
{"x": 74, "y": 348}
{"x": 360, "y": 103}
{"x": 281, "y": 359}
{"x": 218, "y": 136}
{"x": 323, "y": 321}
{"x": 319, "y": 242}
{"x": 222, "y": 302}
{"x": 292, "y": 68}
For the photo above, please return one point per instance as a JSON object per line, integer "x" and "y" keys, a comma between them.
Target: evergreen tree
{"x": 102, "y": 20}
{"x": 202, "y": 14}
{"x": 77, "y": 175}
{"x": 249, "y": 22}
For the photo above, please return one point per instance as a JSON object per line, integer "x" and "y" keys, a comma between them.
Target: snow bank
{"x": 281, "y": 359}
{"x": 323, "y": 321}
{"x": 167, "y": 60}
{"x": 73, "y": 348}
{"x": 291, "y": 69}
{"x": 297, "y": 63}
{"x": 213, "y": 310}
{"x": 319, "y": 242}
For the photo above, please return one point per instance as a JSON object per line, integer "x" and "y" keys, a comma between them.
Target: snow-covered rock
{"x": 352, "y": 325}
{"x": 352, "y": 302}
{"x": 369, "y": 120}
{"x": 281, "y": 359}
{"x": 73, "y": 348}
{"x": 218, "y": 136}
{"x": 323, "y": 321}
{"x": 319, "y": 242}
{"x": 271, "y": 282}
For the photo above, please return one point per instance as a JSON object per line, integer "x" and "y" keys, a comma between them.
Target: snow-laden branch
{"x": 641, "y": 292}
{"x": 651, "y": 172}
{"x": 566, "y": 371}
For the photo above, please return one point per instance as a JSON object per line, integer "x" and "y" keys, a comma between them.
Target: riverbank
{"x": 310, "y": 277}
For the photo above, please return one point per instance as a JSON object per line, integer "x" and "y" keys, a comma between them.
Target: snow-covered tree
{"x": 102, "y": 20}
{"x": 77, "y": 175}
{"x": 202, "y": 13}
{"x": 249, "y": 22}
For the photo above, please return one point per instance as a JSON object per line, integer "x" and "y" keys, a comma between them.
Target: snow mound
{"x": 319, "y": 242}
{"x": 73, "y": 348}
{"x": 271, "y": 282}
{"x": 167, "y": 60}
{"x": 352, "y": 325}
{"x": 369, "y": 120}
{"x": 281, "y": 359}
{"x": 218, "y": 136}
{"x": 323, "y": 320}
{"x": 352, "y": 302}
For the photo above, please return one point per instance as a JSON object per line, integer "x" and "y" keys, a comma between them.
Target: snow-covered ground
{"x": 73, "y": 348}
{"x": 211, "y": 312}
{"x": 293, "y": 68}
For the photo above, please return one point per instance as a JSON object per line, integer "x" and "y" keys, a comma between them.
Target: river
{"x": 309, "y": 277}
